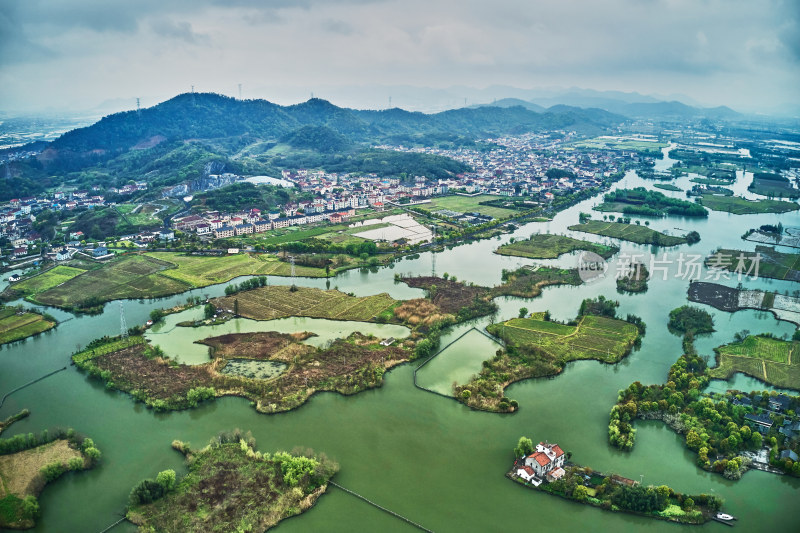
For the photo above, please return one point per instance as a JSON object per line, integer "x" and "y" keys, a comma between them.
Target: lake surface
{"x": 422, "y": 455}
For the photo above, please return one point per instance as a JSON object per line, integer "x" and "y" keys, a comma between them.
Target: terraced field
{"x": 594, "y": 337}
{"x": 267, "y": 303}
{"x": 773, "y": 361}
{"x": 548, "y": 246}
{"x": 628, "y": 232}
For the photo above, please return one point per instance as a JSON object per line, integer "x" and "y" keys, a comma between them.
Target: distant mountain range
{"x": 212, "y": 116}
{"x": 654, "y": 110}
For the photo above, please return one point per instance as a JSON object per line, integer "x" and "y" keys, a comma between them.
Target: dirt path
{"x": 764, "y": 366}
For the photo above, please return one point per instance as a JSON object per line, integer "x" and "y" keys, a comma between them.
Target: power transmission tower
{"x": 291, "y": 258}
{"x": 123, "y": 326}
{"x": 138, "y": 108}
{"x": 240, "y": 91}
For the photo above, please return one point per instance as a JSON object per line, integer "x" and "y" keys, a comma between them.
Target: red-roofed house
{"x": 547, "y": 457}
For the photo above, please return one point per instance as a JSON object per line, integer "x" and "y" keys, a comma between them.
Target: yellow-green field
{"x": 773, "y": 361}
{"x": 468, "y": 204}
{"x": 617, "y": 143}
{"x": 14, "y": 327}
{"x": 605, "y": 339}
{"x": 200, "y": 271}
{"x": 47, "y": 280}
{"x": 548, "y": 246}
{"x": 628, "y": 232}
{"x": 267, "y": 303}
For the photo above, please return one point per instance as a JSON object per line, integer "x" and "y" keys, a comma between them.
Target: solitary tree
{"x": 523, "y": 312}
{"x": 524, "y": 447}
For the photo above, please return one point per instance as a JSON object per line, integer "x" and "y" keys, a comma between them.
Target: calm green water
{"x": 420, "y": 454}
{"x": 179, "y": 342}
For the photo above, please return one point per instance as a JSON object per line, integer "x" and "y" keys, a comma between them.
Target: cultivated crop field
{"x": 201, "y": 271}
{"x": 548, "y": 246}
{"x": 47, "y": 280}
{"x": 618, "y": 143}
{"x": 772, "y": 264}
{"x": 134, "y": 276}
{"x": 594, "y": 337}
{"x": 742, "y": 206}
{"x": 468, "y": 204}
{"x": 15, "y": 327}
{"x": 267, "y": 303}
{"x": 628, "y": 232}
{"x": 773, "y": 361}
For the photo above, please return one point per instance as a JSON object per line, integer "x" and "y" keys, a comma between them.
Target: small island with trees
{"x": 230, "y": 486}
{"x": 543, "y": 467}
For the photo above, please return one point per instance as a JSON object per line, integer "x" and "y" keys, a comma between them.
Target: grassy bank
{"x": 548, "y": 246}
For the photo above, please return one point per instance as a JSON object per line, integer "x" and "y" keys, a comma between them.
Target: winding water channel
{"x": 421, "y": 455}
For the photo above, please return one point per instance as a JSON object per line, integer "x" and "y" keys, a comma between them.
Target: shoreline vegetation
{"x": 29, "y": 462}
{"x": 230, "y": 486}
{"x": 633, "y": 233}
{"x": 549, "y": 246}
{"x": 642, "y": 202}
{"x": 725, "y": 430}
{"x": 635, "y": 278}
{"x": 538, "y": 347}
{"x": 612, "y": 492}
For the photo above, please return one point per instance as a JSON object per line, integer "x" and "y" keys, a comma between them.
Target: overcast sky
{"x": 76, "y": 54}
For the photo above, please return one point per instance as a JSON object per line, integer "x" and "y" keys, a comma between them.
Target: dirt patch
{"x": 260, "y": 345}
{"x": 718, "y": 296}
{"x": 19, "y": 472}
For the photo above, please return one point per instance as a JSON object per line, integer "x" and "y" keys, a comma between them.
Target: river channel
{"x": 422, "y": 455}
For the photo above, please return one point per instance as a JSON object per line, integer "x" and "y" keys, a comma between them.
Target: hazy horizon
{"x": 87, "y": 54}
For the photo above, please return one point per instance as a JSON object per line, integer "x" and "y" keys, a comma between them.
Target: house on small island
{"x": 546, "y": 462}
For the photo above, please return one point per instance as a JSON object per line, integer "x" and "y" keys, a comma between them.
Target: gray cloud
{"x": 179, "y": 30}
{"x": 716, "y": 51}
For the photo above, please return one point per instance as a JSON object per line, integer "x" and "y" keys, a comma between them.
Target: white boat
{"x": 723, "y": 516}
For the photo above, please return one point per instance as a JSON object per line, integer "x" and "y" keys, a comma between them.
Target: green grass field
{"x": 604, "y": 339}
{"x": 47, "y": 280}
{"x": 742, "y": 206}
{"x": 628, "y": 232}
{"x": 608, "y": 143}
{"x": 201, "y": 271}
{"x": 468, "y": 204}
{"x": 133, "y": 276}
{"x": 710, "y": 181}
{"x": 548, "y": 246}
{"x": 773, "y": 361}
{"x": 14, "y": 327}
{"x": 773, "y": 189}
{"x": 267, "y": 303}
{"x": 667, "y": 187}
